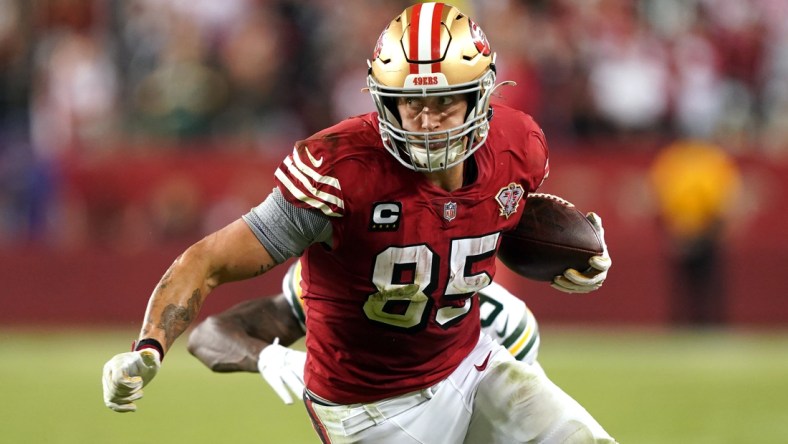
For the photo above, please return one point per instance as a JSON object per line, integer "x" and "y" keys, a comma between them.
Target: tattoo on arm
{"x": 165, "y": 280}
{"x": 263, "y": 269}
{"x": 175, "y": 319}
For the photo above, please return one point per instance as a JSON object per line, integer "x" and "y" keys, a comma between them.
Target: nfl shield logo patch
{"x": 509, "y": 198}
{"x": 449, "y": 211}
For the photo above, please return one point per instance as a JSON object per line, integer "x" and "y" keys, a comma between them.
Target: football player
{"x": 253, "y": 335}
{"x": 397, "y": 217}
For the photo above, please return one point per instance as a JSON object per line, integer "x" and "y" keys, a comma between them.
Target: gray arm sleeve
{"x": 286, "y": 230}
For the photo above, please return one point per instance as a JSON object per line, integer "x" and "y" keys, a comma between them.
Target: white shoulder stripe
{"x": 317, "y": 177}
{"x": 320, "y": 205}
{"x": 322, "y": 195}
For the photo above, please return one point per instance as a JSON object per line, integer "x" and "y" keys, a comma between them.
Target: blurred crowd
{"x": 90, "y": 77}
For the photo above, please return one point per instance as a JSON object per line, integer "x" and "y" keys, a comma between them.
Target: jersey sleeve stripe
{"x": 296, "y": 172}
{"x": 298, "y": 194}
{"x": 526, "y": 341}
{"x": 522, "y": 340}
{"x": 528, "y": 347}
{"x": 518, "y": 331}
{"x": 317, "y": 177}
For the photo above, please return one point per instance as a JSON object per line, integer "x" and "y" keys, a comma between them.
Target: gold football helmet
{"x": 432, "y": 49}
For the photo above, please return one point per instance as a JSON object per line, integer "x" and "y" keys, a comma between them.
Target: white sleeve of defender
{"x": 506, "y": 319}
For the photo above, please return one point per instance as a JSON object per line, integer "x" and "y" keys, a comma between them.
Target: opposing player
{"x": 397, "y": 217}
{"x": 252, "y": 336}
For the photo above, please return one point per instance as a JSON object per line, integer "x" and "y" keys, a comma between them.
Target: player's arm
{"x": 572, "y": 281}
{"x": 507, "y": 320}
{"x": 232, "y": 340}
{"x": 268, "y": 235}
{"x": 252, "y": 336}
{"x": 230, "y": 254}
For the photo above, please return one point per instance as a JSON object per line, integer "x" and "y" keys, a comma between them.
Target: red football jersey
{"x": 391, "y": 306}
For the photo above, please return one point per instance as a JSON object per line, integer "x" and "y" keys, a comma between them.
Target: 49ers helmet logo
{"x": 379, "y": 44}
{"x": 479, "y": 39}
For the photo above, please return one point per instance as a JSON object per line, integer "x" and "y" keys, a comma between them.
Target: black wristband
{"x": 148, "y": 343}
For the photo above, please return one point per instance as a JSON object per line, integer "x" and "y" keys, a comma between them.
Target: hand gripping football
{"x": 552, "y": 236}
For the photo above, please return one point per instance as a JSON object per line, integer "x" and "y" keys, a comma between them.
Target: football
{"x": 552, "y": 235}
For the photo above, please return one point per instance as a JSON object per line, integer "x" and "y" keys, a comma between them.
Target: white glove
{"x": 573, "y": 281}
{"x": 125, "y": 375}
{"x": 283, "y": 369}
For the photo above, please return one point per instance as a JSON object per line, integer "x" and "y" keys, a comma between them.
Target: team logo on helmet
{"x": 379, "y": 44}
{"x": 479, "y": 39}
{"x": 509, "y": 198}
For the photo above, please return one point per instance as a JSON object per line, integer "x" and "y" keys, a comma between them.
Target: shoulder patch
{"x": 509, "y": 198}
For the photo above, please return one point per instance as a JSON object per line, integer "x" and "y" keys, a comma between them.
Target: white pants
{"x": 505, "y": 401}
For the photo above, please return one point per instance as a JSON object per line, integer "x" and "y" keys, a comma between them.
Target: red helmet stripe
{"x": 436, "y": 36}
{"x": 413, "y": 51}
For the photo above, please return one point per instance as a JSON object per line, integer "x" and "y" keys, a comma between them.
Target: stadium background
{"x": 130, "y": 129}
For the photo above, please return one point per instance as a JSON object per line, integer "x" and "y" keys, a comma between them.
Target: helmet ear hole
{"x": 391, "y": 104}
{"x": 472, "y": 98}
